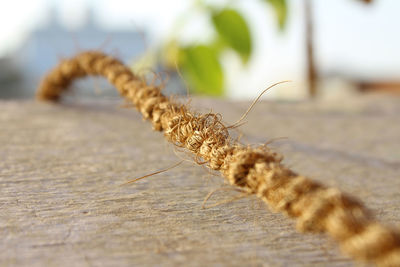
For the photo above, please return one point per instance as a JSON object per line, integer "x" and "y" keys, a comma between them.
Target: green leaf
{"x": 204, "y": 72}
{"x": 233, "y": 29}
{"x": 281, "y": 10}
{"x": 147, "y": 61}
{"x": 170, "y": 54}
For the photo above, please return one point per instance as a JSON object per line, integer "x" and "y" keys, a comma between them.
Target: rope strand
{"x": 259, "y": 171}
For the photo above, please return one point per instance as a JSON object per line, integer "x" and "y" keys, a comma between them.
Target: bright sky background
{"x": 351, "y": 38}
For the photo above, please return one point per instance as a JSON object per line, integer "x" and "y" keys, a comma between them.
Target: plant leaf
{"x": 233, "y": 29}
{"x": 170, "y": 54}
{"x": 204, "y": 72}
{"x": 147, "y": 61}
{"x": 281, "y": 10}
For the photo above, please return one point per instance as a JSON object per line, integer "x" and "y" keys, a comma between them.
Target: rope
{"x": 258, "y": 170}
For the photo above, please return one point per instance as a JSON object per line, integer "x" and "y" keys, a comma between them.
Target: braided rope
{"x": 259, "y": 171}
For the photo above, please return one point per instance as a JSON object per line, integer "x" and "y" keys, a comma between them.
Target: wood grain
{"x": 61, "y": 167}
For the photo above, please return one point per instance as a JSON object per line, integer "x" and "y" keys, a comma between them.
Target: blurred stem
{"x": 312, "y": 74}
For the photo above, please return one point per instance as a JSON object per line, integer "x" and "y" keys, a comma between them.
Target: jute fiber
{"x": 256, "y": 170}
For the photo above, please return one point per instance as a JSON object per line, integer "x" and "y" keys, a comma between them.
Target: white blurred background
{"x": 356, "y": 46}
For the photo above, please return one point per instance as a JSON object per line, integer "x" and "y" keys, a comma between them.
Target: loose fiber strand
{"x": 253, "y": 104}
{"x": 153, "y": 173}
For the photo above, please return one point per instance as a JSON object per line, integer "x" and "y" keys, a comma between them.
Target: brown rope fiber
{"x": 259, "y": 171}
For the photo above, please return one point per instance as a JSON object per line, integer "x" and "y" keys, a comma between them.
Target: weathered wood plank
{"x": 61, "y": 167}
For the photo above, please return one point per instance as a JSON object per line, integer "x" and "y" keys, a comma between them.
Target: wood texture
{"x": 62, "y": 165}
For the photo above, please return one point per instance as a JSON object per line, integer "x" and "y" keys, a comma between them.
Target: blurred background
{"x": 226, "y": 48}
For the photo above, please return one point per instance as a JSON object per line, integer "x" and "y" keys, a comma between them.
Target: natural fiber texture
{"x": 257, "y": 170}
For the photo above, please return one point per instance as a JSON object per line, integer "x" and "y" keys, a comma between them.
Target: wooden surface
{"x": 61, "y": 167}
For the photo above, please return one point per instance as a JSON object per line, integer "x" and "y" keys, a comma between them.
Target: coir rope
{"x": 258, "y": 170}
